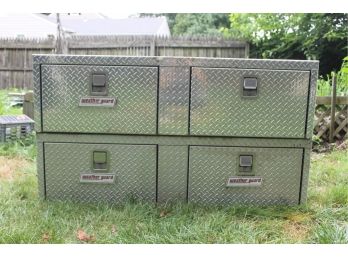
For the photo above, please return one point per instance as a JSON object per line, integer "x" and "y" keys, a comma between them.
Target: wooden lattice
{"x": 322, "y": 119}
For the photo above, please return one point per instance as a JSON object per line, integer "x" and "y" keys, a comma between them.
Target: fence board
{"x": 16, "y": 54}
{"x": 323, "y": 122}
{"x": 28, "y": 105}
{"x": 327, "y": 100}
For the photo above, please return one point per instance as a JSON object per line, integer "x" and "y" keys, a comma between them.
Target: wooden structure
{"x": 28, "y": 104}
{"x": 14, "y": 127}
{"x": 16, "y": 54}
{"x": 16, "y": 99}
{"x": 323, "y": 118}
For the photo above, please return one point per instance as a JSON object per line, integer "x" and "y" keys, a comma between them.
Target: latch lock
{"x": 250, "y": 86}
{"x": 245, "y": 163}
{"x": 100, "y": 160}
{"x": 99, "y": 84}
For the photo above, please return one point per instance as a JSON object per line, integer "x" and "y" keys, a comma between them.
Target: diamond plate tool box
{"x": 202, "y": 130}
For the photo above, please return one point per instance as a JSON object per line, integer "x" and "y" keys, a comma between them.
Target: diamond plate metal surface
{"x": 175, "y": 141}
{"x": 218, "y": 108}
{"x": 305, "y": 174}
{"x": 135, "y": 90}
{"x": 134, "y": 166}
{"x": 95, "y": 60}
{"x": 40, "y": 170}
{"x": 37, "y": 96}
{"x": 173, "y": 156}
{"x": 172, "y": 173}
{"x": 210, "y": 168}
{"x": 178, "y": 61}
{"x": 311, "y": 104}
{"x": 174, "y": 100}
{"x": 270, "y": 64}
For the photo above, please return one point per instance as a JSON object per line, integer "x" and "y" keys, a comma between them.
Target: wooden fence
{"x": 323, "y": 127}
{"x": 16, "y": 54}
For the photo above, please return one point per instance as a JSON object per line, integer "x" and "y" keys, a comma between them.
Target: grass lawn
{"x": 4, "y": 103}
{"x": 24, "y": 218}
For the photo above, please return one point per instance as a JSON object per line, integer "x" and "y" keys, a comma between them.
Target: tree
{"x": 294, "y": 36}
{"x": 194, "y": 23}
{"x": 199, "y": 24}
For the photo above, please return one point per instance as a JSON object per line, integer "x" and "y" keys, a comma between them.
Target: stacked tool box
{"x": 202, "y": 130}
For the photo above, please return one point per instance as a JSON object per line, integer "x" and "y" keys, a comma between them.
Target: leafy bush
{"x": 324, "y": 85}
{"x": 24, "y": 147}
{"x": 316, "y": 140}
{"x": 5, "y": 108}
{"x": 2, "y": 108}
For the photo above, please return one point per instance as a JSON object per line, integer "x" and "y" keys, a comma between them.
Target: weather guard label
{"x": 97, "y": 178}
{"x": 97, "y": 101}
{"x": 244, "y": 181}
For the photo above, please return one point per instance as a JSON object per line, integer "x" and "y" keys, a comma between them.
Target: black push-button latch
{"x": 245, "y": 163}
{"x": 100, "y": 160}
{"x": 99, "y": 86}
{"x": 250, "y": 86}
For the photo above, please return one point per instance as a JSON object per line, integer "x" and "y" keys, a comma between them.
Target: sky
{"x": 119, "y": 15}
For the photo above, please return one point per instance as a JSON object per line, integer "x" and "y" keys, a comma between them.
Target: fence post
{"x": 153, "y": 47}
{"x": 61, "y": 44}
{"x": 247, "y": 49}
{"x": 333, "y": 108}
{"x": 28, "y": 105}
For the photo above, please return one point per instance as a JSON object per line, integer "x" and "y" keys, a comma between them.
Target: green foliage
{"x": 5, "y": 108}
{"x": 199, "y": 24}
{"x": 328, "y": 233}
{"x": 329, "y": 179}
{"x": 2, "y": 108}
{"x": 338, "y": 195}
{"x": 3, "y": 101}
{"x": 344, "y": 68}
{"x": 324, "y": 85}
{"x": 24, "y": 148}
{"x": 319, "y": 36}
{"x": 14, "y": 110}
{"x": 342, "y": 76}
{"x": 194, "y": 23}
{"x": 293, "y": 36}
{"x": 316, "y": 140}
{"x": 26, "y": 219}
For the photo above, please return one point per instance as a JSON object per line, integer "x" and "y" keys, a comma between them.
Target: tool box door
{"x": 99, "y": 99}
{"x": 248, "y": 102}
{"x": 100, "y": 172}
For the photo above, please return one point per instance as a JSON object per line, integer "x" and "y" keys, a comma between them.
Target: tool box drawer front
{"x": 240, "y": 175}
{"x": 99, "y": 99}
{"x": 100, "y": 172}
{"x": 248, "y": 103}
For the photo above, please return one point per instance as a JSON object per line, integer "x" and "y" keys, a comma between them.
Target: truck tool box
{"x": 202, "y": 130}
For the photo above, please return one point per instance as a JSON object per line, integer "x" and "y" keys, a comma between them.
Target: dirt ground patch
{"x": 9, "y": 166}
{"x": 297, "y": 231}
